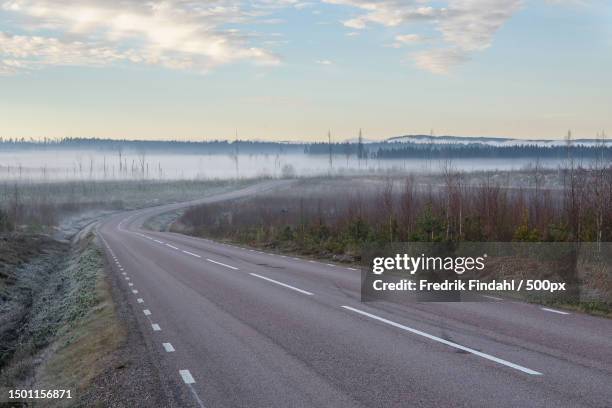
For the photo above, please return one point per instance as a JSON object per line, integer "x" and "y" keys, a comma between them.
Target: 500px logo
{"x": 414, "y": 264}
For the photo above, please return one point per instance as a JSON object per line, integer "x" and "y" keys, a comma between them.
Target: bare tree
{"x": 387, "y": 203}
{"x": 329, "y": 143}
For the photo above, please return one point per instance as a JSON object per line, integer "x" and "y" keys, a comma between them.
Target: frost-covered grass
{"x": 66, "y": 325}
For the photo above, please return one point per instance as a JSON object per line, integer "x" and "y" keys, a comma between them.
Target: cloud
{"x": 439, "y": 61}
{"x": 407, "y": 39}
{"x": 202, "y": 35}
{"x": 28, "y": 52}
{"x": 465, "y": 26}
{"x": 324, "y": 62}
{"x": 179, "y": 34}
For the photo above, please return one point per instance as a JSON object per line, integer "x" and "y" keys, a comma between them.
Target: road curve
{"x": 235, "y": 327}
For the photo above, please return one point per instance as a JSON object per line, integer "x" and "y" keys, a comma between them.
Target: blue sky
{"x": 291, "y": 69}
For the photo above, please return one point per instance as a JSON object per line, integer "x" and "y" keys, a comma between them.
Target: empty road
{"x": 235, "y": 327}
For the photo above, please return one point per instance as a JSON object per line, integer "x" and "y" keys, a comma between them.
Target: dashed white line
{"x": 332, "y": 265}
{"x": 147, "y": 312}
{"x": 155, "y": 327}
{"x": 158, "y": 241}
{"x": 187, "y": 377}
{"x": 554, "y": 311}
{"x": 140, "y": 300}
{"x": 351, "y": 269}
{"x": 134, "y": 291}
{"x": 443, "y": 341}
{"x": 171, "y": 246}
{"x": 222, "y": 264}
{"x": 191, "y": 253}
{"x": 281, "y": 284}
{"x": 130, "y": 284}
{"x": 168, "y": 347}
{"x": 492, "y": 297}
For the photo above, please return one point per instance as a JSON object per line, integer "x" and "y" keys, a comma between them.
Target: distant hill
{"x": 492, "y": 141}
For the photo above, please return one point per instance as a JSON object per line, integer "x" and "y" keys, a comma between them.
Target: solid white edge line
{"x": 554, "y": 311}
{"x": 281, "y": 284}
{"x": 443, "y": 341}
{"x": 191, "y": 253}
{"x": 186, "y": 375}
{"x": 168, "y": 347}
{"x": 222, "y": 264}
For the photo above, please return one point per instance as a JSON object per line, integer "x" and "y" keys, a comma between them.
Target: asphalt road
{"x": 242, "y": 328}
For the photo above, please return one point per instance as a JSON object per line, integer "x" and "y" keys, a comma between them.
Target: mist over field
{"x": 91, "y": 165}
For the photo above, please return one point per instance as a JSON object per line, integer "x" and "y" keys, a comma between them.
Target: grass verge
{"x": 70, "y": 331}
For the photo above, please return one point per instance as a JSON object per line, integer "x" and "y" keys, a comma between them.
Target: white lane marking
{"x": 191, "y": 253}
{"x": 123, "y": 273}
{"x": 312, "y": 261}
{"x": 554, "y": 311}
{"x": 155, "y": 327}
{"x": 492, "y": 297}
{"x": 140, "y": 300}
{"x": 130, "y": 284}
{"x": 330, "y": 264}
{"x": 187, "y": 378}
{"x": 296, "y": 259}
{"x": 159, "y": 242}
{"x": 195, "y": 394}
{"x": 127, "y": 278}
{"x": 171, "y": 246}
{"x": 168, "y": 347}
{"x": 351, "y": 269}
{"x": 222, "y": 264}
{"x": 147, "y": 312}
{"x": 135, "y": 291}
{"x": 448, "y": 343}
{"x": 281, "y": 284}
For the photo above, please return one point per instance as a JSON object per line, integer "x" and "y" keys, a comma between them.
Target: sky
{"x": 294, "y": 70}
